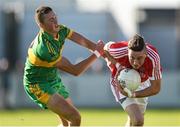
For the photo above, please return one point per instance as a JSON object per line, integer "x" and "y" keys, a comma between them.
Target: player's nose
{"x": 136, "y": 63}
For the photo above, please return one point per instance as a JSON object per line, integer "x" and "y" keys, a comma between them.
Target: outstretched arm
{"x": 77, "y": 69}
{"x": 65, "y": 65}
{"x": 81, "y": 40}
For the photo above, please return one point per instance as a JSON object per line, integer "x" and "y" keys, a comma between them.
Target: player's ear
{"x": 40, "y": 25}
{"x": 145, "y": 55}
{"x": 145, "y": 51}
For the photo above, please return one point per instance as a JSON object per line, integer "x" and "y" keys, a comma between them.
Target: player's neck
{"x": 54, "y": 35}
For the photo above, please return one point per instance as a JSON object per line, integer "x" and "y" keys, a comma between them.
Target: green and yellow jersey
{"x": 43, "y": 54}
{"x": 41, "y": 78}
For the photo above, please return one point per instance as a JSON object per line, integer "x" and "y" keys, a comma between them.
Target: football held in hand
{"x": 129, "y": 78}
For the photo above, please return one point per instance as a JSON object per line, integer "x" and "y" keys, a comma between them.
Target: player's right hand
{"x": 124, "y": 90}
{"x": 99, "y": 51}
{"x": 120, "y": 87}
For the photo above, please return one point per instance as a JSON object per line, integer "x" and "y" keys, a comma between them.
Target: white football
{"x": 129, "y": 78}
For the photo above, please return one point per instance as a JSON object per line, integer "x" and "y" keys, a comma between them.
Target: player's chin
{"x": 136, "y": 67}
{"x": 56, "y": 29}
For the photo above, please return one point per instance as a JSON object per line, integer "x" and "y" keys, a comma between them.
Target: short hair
{"x": 40, "y": 12}
{"x": 136, "y": 43}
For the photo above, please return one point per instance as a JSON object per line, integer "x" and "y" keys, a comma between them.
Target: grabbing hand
{"x": 99, "y": 51}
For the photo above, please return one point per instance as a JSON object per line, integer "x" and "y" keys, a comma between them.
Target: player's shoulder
{"x": 116, "y": 45}
{"x": 151, "y": 48}
{"x": 152, "y": 53}
{"x": 62, "y": 27}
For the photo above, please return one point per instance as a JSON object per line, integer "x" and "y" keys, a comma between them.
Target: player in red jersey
{"x": 142, "y": 57}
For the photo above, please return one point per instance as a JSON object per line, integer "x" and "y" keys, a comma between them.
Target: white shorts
{"x": 126, "y": 101}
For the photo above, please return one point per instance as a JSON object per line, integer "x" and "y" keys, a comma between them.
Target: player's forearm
{"x": 109, "y": 57}
{"x": 81, "y": 40}
{"x": 150, "y": 91}
{"x": 84, "y": 65}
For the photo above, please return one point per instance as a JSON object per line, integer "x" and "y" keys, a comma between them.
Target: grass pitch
{"x": 90, "y": 117}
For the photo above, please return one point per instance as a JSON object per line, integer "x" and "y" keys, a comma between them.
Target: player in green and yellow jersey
{"x": 41, "y": 80}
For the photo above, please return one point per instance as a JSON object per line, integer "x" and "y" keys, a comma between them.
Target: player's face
{"x": 136, "y": 58}
{"x": 50, "y": 23}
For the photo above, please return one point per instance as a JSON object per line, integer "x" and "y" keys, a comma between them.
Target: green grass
{"x": 90, "y": 117}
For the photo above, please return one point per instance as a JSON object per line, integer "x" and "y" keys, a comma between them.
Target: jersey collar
{"x": 48, "y": 36}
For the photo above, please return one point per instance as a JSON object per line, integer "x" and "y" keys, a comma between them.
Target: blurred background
{"x": 109, "y": 20}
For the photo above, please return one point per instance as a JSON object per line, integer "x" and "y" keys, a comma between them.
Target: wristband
{"x": 97, "y": 53}
{"x": 106, "y": 59}
{"x": 117, "y": 65}
{"x": 128, "y": 92}
{"x": 133, "y": 95}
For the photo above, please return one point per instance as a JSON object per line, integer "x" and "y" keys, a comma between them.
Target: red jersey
{"x": 151, "y": 69}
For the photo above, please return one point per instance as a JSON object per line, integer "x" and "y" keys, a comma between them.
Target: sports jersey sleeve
{"x": 156, "y": 67}
{"x": 116, "y": 50}
{"x": 107, "y": 45}
{"x": 65, "y": 31}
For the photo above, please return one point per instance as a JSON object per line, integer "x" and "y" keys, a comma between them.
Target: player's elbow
{"x": 76, "y": 73}
{"x": 156, "y": 90}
